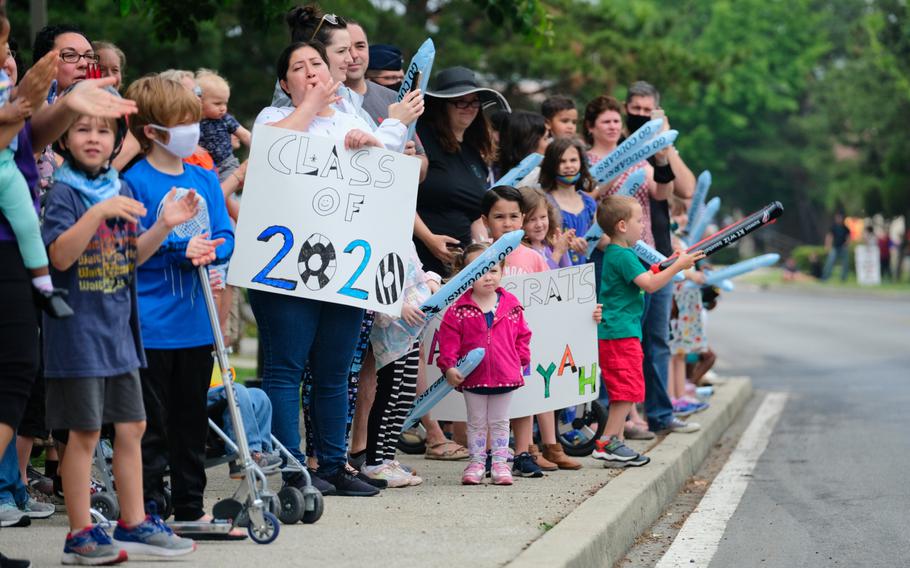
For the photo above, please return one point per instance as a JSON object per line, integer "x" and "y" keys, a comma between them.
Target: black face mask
{"x": 396, "y": 87}
{"x": 636, "y": 121}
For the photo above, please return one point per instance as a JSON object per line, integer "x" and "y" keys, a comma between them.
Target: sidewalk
{"x": 583, "y": 518}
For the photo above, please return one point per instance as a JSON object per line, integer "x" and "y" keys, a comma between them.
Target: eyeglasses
{"x": 330, "y": 18}
{"x": 466, "y": 104}
{"x": 72, "y": 56}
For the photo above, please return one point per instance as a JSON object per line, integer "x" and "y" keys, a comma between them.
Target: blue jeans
{"x": 12, "y": 490}
{"x": 295, "y": 331}
{"x": 837, "y": 255}
{"x": 655, "y": 331}
{"x": 255, "y": 411}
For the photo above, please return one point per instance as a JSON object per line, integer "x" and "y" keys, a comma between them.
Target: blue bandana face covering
{"x": 569, "y": 180}
{"x": 92, "y": 191}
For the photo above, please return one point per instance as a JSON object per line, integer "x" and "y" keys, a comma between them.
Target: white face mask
{"x": 182, "y": 139}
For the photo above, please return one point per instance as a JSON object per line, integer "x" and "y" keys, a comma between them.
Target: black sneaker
{"x": 13, "y": 563}
{"x": 525, "y": 466}
{"x": 377, "y": 483}
{"x": 296, "y": 480}
{"x": 53, "y": 303}
{"x": 348, "y": 485}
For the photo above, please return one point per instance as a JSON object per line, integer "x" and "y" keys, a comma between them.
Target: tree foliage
{"x": 804, "y": 101}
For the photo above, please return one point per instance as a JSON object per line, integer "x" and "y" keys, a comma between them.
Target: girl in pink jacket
{"x": 486, "y": 316}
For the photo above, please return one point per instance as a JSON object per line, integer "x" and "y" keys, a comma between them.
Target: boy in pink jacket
{"x": 486, "y": 316}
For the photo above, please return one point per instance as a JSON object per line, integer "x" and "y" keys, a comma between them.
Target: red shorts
{"x": 621, "y": 367}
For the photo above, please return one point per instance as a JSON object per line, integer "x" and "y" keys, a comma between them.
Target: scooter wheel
{"x": 578, "y": 440}
{"x": 310, "y": 517}
{"x": 106, "y": 505}
{"x": 292, "y": 505}
{"x": 266, "y": 534}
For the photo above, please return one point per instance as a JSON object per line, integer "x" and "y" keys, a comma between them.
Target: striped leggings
{"x": 396, "y": 386}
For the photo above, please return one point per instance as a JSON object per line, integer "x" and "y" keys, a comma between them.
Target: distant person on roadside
{"x": 837, "y": 244}
{"x": 884, "y": 254}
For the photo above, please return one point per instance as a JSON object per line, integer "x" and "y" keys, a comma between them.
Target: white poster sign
{"x": 868, "y": 268}
{"x": 322, "y": 222}
{"x": 564, "y": 371}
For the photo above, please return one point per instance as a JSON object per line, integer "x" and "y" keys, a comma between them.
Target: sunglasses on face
{"x": 72, "y": 56}
{"x": 466, "y": 104}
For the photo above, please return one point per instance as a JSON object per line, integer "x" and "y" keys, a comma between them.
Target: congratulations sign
{"x": 321, "y": 222}
{"x": 559, "y": 305}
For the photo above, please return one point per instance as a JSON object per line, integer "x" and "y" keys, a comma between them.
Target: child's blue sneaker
{"x": 525, "y": 466}
{"x": 91, "y": 547}
{"x": 152, "y": 537}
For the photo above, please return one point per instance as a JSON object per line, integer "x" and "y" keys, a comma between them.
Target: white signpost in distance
{"x": 564, "y": 371}
{"x": 321, "y": 222}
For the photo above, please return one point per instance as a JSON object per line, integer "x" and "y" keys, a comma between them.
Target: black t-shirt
{"x": 448, "y": 200}
{"x": 839, "y": 233}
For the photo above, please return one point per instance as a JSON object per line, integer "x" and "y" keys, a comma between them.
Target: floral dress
{"x": 687, "y": 326}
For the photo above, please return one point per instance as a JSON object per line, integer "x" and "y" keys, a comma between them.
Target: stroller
{"x": 252, "y": 505}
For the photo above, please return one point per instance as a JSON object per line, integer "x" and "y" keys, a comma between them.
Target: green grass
{"x": 774, "y": 278}
{"x": 244, "y": 374}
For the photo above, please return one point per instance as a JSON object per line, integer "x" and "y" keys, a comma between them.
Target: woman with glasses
{"x": 456, "y": 135}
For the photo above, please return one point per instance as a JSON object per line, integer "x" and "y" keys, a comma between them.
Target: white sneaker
{"x": 393, "y": 476}
{"x": 683, "y": 427}
{"x": 412, "y": 478}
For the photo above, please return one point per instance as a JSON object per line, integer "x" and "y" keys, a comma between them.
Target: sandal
{"x": 447, "y": 451}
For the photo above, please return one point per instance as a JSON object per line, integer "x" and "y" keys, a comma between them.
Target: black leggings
{"x": 18, "y": 335}
{"x": 396, "y": 386}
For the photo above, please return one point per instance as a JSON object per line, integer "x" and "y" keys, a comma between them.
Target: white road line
{"x": 697, "y": 541}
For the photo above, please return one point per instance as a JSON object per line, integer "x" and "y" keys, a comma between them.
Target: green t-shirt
{"x": 623, "y": 301}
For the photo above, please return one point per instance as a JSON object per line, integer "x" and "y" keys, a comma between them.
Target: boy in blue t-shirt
{"x": 619, "y": 332}
{"x": 91, "y": 360}
{"x": 175, "y": 324}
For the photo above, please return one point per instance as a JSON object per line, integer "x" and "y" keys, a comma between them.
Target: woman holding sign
{"x": 456, "y": 136}
{"x": 296, "y": 331}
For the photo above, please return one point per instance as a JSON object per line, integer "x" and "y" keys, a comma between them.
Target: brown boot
{"x": 542, "y": 462}
{"x": 555, "y": 454}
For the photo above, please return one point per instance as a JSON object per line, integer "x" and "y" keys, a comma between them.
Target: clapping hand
{"x": 176, "y": 211}
{"x": 201, "y": 251}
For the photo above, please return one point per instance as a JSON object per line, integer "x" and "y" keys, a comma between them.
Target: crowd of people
{"x": 136, "y": 191}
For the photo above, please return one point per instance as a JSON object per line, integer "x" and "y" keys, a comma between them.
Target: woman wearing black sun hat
{"x": 459, "y": 145}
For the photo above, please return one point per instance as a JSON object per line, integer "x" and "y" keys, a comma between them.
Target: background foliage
{"x": 805, "y": 101}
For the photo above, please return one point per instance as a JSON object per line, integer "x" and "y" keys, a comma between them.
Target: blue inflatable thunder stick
{"x": 422, "y": 63}
{"x": 520, "y": 171}
{"x": 704, "y": 219}
{"x": 648, "y": 254}
{"x": 629, "y": 146}
{"x": 438, "y": 390}
{"x": 715, "y": 277}
{"x": 698, "y": 198}
{"x": 628, "y": 188}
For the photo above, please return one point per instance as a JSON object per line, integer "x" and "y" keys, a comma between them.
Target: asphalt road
{"x": 831, "y": 489}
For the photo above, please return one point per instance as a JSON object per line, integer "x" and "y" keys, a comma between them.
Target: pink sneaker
{"x": 473, "y": 474}
{"x": 502, "y": 474}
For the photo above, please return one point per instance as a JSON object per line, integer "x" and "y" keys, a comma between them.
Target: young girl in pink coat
{"x": 486, "y": 316}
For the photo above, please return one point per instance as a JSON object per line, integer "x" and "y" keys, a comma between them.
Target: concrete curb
{"x": 604, "y": 527}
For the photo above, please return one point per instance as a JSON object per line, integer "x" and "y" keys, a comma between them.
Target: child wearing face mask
{"x": 175, "y": 324}
{"x": 564, "y": 176}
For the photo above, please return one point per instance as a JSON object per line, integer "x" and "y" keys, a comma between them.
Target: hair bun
{"x": 300, "y": 16}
